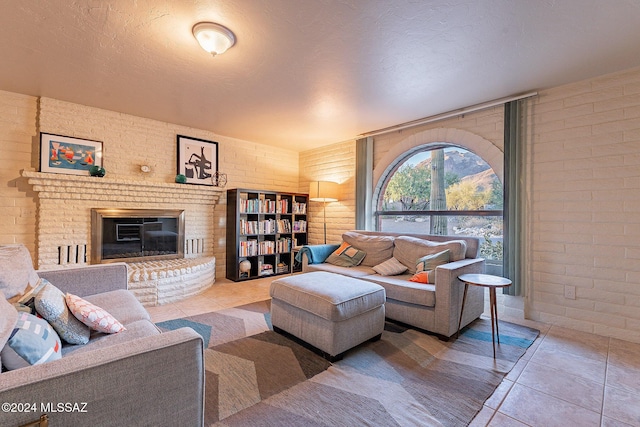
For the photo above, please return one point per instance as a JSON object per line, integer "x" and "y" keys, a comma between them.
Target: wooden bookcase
{"x": 263, "y": 228}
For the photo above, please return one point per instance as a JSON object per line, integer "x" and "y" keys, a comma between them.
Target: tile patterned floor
{"x": 566, "y": 378}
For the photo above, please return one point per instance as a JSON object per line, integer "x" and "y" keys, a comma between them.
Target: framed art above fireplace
{"x": 68, "y": 155}
{"x": 197, "y": 160}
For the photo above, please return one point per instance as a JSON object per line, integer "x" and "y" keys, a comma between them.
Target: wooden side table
{"x": 486, "y": 281}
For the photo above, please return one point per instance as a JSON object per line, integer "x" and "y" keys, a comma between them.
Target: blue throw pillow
{"x": 32, "y": 342}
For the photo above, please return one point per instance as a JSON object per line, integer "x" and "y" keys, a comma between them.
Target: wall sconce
{"x": 323, "y": 191}
{"x": 214, "y": 38}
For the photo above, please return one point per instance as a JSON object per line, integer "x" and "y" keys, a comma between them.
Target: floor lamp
{"x": 323, "y": 191}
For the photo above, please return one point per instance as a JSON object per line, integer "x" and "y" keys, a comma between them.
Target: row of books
{"x": 300, "y": 226}
{"x": 267, "y": 226}
{"x": 265, "y": 269}
{"x": 266, "y": 247}
{"x": 266, "y": 206}
{"x": 299, "y": 208}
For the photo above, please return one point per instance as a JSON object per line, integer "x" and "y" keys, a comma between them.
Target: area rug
{"x": 256, "y": 377}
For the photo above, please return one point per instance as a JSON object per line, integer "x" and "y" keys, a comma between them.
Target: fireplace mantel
{"x": 80, "y": 187}
{"x": 64, "y": 203}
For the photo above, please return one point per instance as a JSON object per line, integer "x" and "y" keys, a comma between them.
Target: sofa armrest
{"x": 156, "y": 380}
{"x": 449, "y": 292}
{"x": 88, "y": 280}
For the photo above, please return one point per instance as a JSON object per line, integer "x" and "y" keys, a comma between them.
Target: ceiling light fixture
{"x": 214, "y": 38}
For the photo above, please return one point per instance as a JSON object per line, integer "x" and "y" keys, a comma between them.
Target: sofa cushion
{"x": 377, "y": 248}
{"x": 359, "y": 271}
{"x": 16, "y": 270}
{"x": 391, "y": 267}
{"x": 135, "y": 330}
{"x": 346, "y": 256}
{"x": 93, "y": 316}
{"x": 51, "y": 305}
{"x": 399, "y": 288}
{"x": 8, "y": 319}
{"x": 408, "y": 250}
{"x": 32, "y": 341}
{"x": 121, "y": 304}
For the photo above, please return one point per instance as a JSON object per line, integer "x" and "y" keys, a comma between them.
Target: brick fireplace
{"x": 63, "y": 227}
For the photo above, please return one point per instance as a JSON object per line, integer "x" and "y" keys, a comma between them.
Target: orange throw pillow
{"x": 420, "y": 277}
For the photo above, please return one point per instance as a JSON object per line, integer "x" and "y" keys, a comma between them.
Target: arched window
{"x": 447, "y": 190}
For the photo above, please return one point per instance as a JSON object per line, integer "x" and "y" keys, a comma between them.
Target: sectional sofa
{"x": 434, "y": 307}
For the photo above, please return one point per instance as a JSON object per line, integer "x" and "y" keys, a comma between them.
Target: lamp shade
{"x": 323, "y": 191}
{"x": 214, "y": 38}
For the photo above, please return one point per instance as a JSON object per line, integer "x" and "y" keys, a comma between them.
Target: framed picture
{"x": 64, "y": 154}
{"x": 197, "y": 160}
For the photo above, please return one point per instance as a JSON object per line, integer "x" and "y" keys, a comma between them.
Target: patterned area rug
{"x": 257, "y": 377}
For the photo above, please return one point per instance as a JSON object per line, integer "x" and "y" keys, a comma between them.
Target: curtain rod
{"x": 449, "y": 114}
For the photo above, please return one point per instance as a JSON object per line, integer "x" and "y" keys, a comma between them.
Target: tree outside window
{"x": 447, "y": 190}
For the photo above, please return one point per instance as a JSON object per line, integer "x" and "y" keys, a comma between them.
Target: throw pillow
{"x": 346, "y": 256}
{"x": 51, "y": 305}
{"x": 430, "y": 262}
{"x": 408, "y": 249}
{"x": 16, "y": 270}
{"x": 420, "y": 277}
{"x": 28, "y": 298}
{"x": 390, "y": 267}
{"x": 93, "y": 316}
{"x": 32, "y": 341}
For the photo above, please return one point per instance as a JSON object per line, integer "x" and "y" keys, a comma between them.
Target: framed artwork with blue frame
{"x": 68, "y": 155}
{"x": 197, "y": 160}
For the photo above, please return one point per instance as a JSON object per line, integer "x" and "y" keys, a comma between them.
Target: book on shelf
{"x": 283, "y": 206}
{"x": 248, "y": 248}
{"x": 284, "y": 244}
{"x": 257, "y": 206}
{"x": 265, "y": 269}
{"x": 300, "y": 226}
{"x": 299, "y": 208}
{"x": 283, "y": 226}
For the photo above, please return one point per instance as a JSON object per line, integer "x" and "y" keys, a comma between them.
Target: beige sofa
{"x": 432, "y": 307}
{"x": 139, "y": 376}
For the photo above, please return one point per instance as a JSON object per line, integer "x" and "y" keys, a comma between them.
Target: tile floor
{"x": 566, "y": 378}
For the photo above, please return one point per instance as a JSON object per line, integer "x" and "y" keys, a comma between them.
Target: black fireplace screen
{"x": 136, "y": 234}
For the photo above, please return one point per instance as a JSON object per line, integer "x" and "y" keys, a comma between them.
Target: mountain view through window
{"x": 445, "y": 191}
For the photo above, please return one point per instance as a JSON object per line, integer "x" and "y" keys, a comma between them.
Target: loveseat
{"x": 434, "y": 307}
{"x": 138, "y": 376}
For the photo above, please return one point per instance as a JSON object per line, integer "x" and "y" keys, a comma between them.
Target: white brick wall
{"x": 129, "y": 142}
{"x": 335, "y": 163}
{"x": 17, "y": 137}
{"x": 584, "y": 186}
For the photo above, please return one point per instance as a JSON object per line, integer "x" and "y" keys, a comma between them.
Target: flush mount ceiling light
{"x": 214, "y": 38}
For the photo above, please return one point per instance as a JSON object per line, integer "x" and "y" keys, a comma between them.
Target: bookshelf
{"x": 263, "y": 228}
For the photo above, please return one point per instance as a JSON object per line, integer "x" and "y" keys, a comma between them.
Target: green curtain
{"x": 513, "y": 248}
{"x": 364, "y": 176}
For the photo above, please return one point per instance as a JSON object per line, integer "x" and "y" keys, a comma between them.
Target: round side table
{"x": 486, "y": 281}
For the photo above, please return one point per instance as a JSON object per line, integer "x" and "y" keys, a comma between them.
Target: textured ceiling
{"x": 306, "y": 73}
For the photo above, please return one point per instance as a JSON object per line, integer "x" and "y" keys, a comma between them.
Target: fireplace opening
{"x": 136, "y": 235}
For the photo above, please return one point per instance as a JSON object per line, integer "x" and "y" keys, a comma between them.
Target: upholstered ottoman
{"x": 331, "y": 312}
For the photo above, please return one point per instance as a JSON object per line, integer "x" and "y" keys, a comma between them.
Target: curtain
{"x": 364, "y": 178}
{"x": 513, "y": 242}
